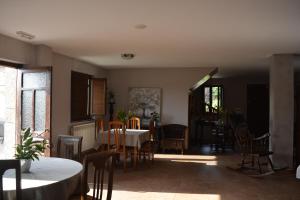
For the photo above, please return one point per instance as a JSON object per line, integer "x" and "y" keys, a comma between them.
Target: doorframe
{"x": 48, "y": 102}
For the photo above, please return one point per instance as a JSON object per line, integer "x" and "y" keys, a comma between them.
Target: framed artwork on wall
{"x": 143, "y": 101}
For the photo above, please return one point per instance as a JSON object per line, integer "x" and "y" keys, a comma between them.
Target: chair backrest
{"x": 243, "y": 137}
{"x": 103, "y": 164}
{"x": 69, "y": 147}
{"x": 117, "y": 129}
{"x": 11, "y": 164}
{"x": 173, "y": 131}
{"x": 134, "y": 123}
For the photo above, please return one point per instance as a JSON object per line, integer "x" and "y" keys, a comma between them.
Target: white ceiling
{"x": 179, "y": 33}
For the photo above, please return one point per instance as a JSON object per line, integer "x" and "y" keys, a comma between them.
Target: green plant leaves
{"x": 28, "y": 148}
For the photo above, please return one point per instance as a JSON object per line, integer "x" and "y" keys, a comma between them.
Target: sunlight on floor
{"x": 117, "y": 195}
{"x": 208, "y": 160}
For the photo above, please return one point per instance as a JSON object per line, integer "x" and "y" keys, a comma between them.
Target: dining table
{"x": 50, "y": 178}
{"x": 134, "y": 138}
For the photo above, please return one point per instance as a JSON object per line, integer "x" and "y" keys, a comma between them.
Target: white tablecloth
{"x": 134, "y": 137}
{"x": 49, "y": 179}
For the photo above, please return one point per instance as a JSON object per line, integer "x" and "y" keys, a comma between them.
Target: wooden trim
{"x": 11, "y": 64}
{"x": 88, "y": 108}
{"x": 48, "y": 90}
{"x": 92, "y": 99}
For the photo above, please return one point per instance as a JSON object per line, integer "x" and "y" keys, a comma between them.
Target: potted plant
{"x": 155, "y": 117}
{"x": 122, "y": 116}
{"x": 28, "y": 150}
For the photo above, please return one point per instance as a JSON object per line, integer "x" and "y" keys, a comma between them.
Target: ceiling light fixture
{"x": 127, "y": 56}
{"x": 25, "y": 35}
{"x": 140, "y": 26}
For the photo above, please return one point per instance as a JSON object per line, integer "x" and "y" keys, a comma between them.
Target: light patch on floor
{"x": 203, "y": 159}
{"x": 117, "y": 195}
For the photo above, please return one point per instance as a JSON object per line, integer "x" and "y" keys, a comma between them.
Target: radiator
{"x": 87, "y": 131}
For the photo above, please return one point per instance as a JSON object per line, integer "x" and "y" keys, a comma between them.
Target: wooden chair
{"x": 117, "y": 128}
{"x": 173, "y": 136}
{"x": 148, "y": 147}
{"x": 103, "y": 163}
{"x": 69, "y": 147}
{"x": 254, "y": 149}
{"x": 134, "y": 123}
{"x": 11, "y": 164}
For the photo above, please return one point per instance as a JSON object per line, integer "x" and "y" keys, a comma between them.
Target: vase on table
{"x": 25, "y": 166}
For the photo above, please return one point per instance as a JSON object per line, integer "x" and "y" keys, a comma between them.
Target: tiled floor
{"x": 174, "y": 177}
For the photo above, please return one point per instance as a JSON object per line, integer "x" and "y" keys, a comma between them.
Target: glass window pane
{"x": 34, "y": 80}
{"x": 40, "y": 110}
{"x": 207, "y": 98}
{"x": 215, "y": 97}
{"x": 26, "y": 109}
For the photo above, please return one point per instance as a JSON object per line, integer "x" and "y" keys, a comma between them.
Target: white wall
{"x": 40, "y": 55}
{"x": 175, "y": 84}
{"x": 61, "y": 90}
{"x": 16, "y": 50}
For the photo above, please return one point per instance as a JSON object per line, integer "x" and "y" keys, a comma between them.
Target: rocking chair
{"x": 254, "y": 150}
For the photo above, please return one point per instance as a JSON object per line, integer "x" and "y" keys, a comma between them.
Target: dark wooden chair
{"x": 253, "y": 150}
{"x": 173, "y": 136}
{"x": 134, "y": 123}
{"x": 69, "y": 147}
{"x": 11, "y": 164}
{"x": 103, "y": 170}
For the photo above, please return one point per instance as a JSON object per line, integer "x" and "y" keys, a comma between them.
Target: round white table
{"x": 49, "y": 179}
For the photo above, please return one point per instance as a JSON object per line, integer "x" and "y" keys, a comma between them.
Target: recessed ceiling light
{"x": 25, "y": 35}
{"x": 140, "y": 26}
{"x": 127, "y": 56}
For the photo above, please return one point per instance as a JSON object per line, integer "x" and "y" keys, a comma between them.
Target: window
{"x": 213, "y": 98}
{"x": 87, "y": 96}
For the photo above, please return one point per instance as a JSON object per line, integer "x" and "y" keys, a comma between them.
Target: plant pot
{"x": 25, "y": 166}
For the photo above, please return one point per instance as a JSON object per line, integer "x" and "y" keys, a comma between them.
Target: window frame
{"x": 220, "y": 98}
{"x": 90, "y": 114}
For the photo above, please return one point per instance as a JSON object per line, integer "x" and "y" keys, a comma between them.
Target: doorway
{"x": 258, "y": 108}
{"x": 34, "y": 103}
{"x": 8, "y": 81}
{"x": 25, "y": 102}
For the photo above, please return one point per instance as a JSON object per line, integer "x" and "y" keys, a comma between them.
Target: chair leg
{"x": 270, "y": 162}
{"x": 259, "y": 167}
{"x": 152, "y": 159}
{"x": 243, "y": 161}
{"x": 125, "y": 160}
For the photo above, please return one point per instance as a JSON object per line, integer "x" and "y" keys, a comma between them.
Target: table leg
{"x": 135, "y": 156}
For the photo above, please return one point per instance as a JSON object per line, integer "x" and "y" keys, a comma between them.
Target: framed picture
{"x": 144, "y": 100}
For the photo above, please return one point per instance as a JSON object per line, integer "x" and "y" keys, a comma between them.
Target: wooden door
{"x": 34, "y": 103}
{"x": 258, "y": 108}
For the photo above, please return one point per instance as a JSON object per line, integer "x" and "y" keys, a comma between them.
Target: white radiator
{"x": 87, "y": 131}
